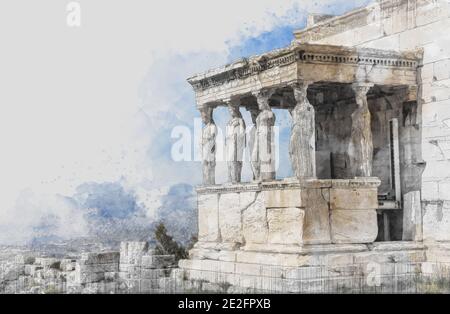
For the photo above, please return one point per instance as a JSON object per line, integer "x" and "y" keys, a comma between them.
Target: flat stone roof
{"x": 275, "y": 57}
{"x": 306, "y": 62}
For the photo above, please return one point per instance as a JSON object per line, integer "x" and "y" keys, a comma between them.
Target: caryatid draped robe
{"x": 235, "y": 145}
{"x": 361, "y": 145}
{"x": 209, "y": 133}
{"x": 302, "y": 143}
{"x": 265, "y": 146}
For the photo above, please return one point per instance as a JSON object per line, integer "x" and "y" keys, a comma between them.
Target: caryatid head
{"x": 361, "y": 91}
{"x": 207, "y": 114}
{"x": 300, "y": 92}
{"x": 262, "y": 98}
{"x": 233, "y": 109}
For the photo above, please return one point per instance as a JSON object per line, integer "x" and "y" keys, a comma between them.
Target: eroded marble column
{"x": 209, "y": 133}
{"x": 361, "y": 146}
{"x": 252, "y": 145}
{"x": 302, "y": 145}
{"x": 235, "y": 142}
{"x": 265, "y": 137}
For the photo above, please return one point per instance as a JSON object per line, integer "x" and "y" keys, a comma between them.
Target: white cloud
{"x": 39, "y": 215}
{"x": 80, "y": 105}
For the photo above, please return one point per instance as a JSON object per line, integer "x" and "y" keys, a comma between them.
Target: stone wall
{"x": 405, "y": 25}
{"x": 141, "y": 269}
{"x": 95, "y": 267}
{"x": 282, "y": 216}
{"x": 135, "y": 269}
{"x": 318, "y": 269}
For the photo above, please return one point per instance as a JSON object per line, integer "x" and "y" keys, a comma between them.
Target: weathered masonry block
{"x": 92, "y": 267}
{"x": 285, "y": 215}
{"x": 141, "y": 269}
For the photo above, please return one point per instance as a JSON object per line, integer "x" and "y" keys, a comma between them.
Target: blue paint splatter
{"x": 110, "y": 199}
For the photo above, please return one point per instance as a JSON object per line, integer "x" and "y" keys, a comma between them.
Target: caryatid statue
{"x": 252, "y": 145}
{"x": 361, "y": 145}
{"x": 209, "y": 133}
{"x": 265, "y": 145}
{"x": 302, "y": 145}
{"x": 235, "y": 142}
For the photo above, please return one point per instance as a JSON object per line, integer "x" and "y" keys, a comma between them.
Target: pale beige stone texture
{"x": 412, "y": 217}
{"x": 208, "y": 217}
{"x": 274, "y": 248}
{"x": 246, "y": 198}
{"x": 254, "y": 220}
{"x": 285, "y": 225}
{"x": 436, "y": 221}
{"x": 353, "y": 226}
{"x": 230, "y": 217}
{"x": 316, "y": 228}
{"x": 132, "y": 252}
{"x": 282, "y": 198}
{"x": 343, "y": 199}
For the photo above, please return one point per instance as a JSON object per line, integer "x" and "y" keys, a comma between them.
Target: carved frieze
{"x": 269, "y": 63}
{"x": 369, "y": 183}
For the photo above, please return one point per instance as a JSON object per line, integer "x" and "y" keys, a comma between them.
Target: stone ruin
{"x": 134, "y": 269}
{"x": 368, "y": 209}
{"x": 368, "y": 94}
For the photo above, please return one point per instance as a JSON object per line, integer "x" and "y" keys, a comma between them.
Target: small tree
{"x": 166, "y": 245}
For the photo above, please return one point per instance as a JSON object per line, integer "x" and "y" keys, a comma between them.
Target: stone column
{"x": 361, "y": 147}
{"x": 302, "y": 145}
{"x": 209, "y": 133}
{"x": 235, "y": 142}
{"x": 252, "y": 147}
{"x": 264, "y": 138}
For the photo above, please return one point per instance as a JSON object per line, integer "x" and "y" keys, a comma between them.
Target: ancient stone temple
{"x": 368, "y": 148}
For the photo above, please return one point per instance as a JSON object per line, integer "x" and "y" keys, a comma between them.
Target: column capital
{"x": 300, "y": 90}
{"x": 262, "y": 98}
{"x": 361, "y": 90}
{"x": 206, "y": 113}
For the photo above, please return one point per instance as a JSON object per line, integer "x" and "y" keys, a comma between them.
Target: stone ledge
{"x": 272, "y": 248}
{"x": 396, "y": 246}
{"x": 212, "y": 252}
{"x": 297, "y": 54}
{"x": 317, "y": 255}
{"x": 294, "y": 273}
{"x": 289, "y": 183}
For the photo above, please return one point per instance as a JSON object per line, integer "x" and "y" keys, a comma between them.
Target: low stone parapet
{"x": 318, "y": 269}
{"x": 282, "y": 216}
